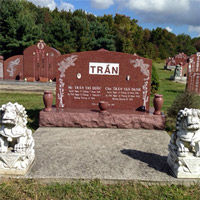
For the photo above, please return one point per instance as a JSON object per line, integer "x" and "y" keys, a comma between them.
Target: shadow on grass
{"x": 162, "y": 69}
{"x": 33, "y": 118}
{"x": 174, "y": 91}
{"x": 155, "y": 161}
{"x": 169, "y": 79}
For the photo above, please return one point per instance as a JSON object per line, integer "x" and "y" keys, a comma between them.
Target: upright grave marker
{"x": 193, "y": 79}
{"x": 178, "y": 59}
{"x": 40, "y": 61}
{"x": 102, "y": 89}
{"x": 13, "y": 67}
{"x": 1, "y": 67}
{"x": 86, "y": 78}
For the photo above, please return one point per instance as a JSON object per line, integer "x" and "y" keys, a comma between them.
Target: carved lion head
{"x": 13, "y": 114}
{"x": 188, "y": 119}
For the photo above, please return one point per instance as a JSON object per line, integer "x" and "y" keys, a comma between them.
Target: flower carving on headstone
{"x": 63, "y": 66}
{"x": 144, "y": 68}
{"x": 12, "y": 66}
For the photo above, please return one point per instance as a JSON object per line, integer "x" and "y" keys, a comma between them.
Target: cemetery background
{"x": 80, "y": 31}
{"x": 168, "y": 88}
{"x": 115, "y": 36}
{"x": 93, "y": 189}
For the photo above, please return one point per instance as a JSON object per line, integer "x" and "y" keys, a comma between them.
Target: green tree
{"x": 196, "y": 43}
{"x": 184, "y": 44}
{"x": 18, "y": 28}
{"x": 101, "y": 36}
{"x": 58, "y": 34}
{"x": 124, "y": 30}
{"x": 22, "y": 24}
{"x": 80, "y": 29}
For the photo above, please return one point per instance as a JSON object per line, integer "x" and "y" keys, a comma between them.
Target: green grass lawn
{"x": 168, "y": 88}
{"x": 94, "y": 190}
{"x": 32, "y": 102}
{"x": 30, "y": 189}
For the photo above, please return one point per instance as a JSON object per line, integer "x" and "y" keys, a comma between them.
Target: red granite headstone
{"x": 193, "y": 78}
{"x": 184, "y": 69}
{"x": 86, "y": 78}
{"x": 170, "y": 62}
{"x": 13, "y": 67}
{"x": 1, "y": 67}
{"x": 40, "y": 61}
{"x": 181, "y": 58}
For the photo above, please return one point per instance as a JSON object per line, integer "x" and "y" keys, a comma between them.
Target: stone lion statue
{"x": 14, "y": 134}
{"x": 186, "y": 138}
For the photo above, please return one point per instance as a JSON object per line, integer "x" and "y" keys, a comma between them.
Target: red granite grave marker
{"x": 193, "y": 78}
{"x": 1, "y": 67}
{"x": 40, "y": 61}
{"x": 179, "y": 59}
{"x": 13, "y": 67}
{"x": 86, "y": 78}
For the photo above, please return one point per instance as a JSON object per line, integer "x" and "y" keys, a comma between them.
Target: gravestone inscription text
{"x": 193, "y": 77}
{"x": 86, "y": 78}
{"x": 104, "y": 68}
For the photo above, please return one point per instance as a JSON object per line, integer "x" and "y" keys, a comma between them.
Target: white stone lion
{"x": 186, "y": 138}
{"x": 14, "y": 134}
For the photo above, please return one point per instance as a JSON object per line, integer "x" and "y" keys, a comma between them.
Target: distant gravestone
{"x": 179, "y": 59}
{"x": 1, "y": 67}
{"x": 40, "y": 61}
{"x": 86, "y": 78}
{"x": 180, "y": 73}
{"x": 13, "y": 67}
{"x": 193, "y": 79}
{"x": 177, "y": 72}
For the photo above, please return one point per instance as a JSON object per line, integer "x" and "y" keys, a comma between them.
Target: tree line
{"x": 23, "y": 24}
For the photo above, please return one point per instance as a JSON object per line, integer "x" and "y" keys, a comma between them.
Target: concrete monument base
{"x": 184, "y": 167}
{"x": 16, "y": 163}
{"x": 181, "y": 79}
{"x": 96, "y": 119}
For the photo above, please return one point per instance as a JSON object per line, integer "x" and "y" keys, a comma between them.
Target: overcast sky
{"x": 177, "y": 16}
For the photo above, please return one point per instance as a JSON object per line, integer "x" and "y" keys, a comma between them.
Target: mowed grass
{"x": 169, "y": 89}
{"x": 95, "y": 190}
{"x": 31, "y": 189}
{"x": 33, "y": 102}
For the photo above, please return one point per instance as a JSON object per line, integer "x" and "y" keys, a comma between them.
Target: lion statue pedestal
{"x": 184, "y": 147}
{"x": 16, "y": 142}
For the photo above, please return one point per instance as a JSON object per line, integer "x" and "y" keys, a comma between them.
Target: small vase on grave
{"x": 103, "y": 105}
{"x": 158, "y": 103}
{"x": 48, "y": 100}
